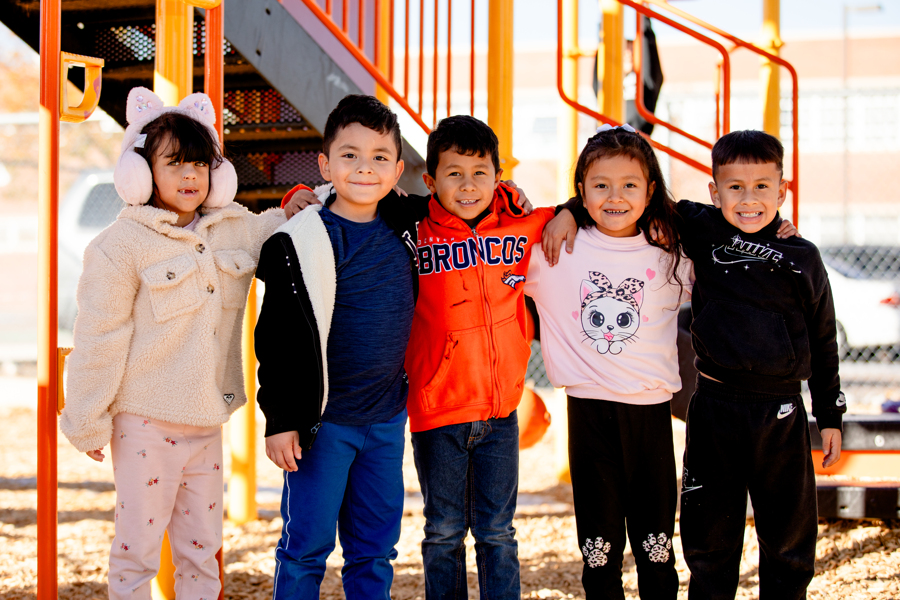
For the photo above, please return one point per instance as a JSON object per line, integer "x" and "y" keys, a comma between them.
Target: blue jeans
{"x": 352, "y": 476}
{"x": 469, "y": 475}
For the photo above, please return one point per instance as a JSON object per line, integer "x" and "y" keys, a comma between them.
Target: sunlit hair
{"x": 465, "y": 135}
{"x": 747, "y": 146}
{"x": 369, "y": 112}
{"x": 660, "y": 212}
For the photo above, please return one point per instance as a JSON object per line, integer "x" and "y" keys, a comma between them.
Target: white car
{"x": 90, "y": 206}
{"x": 865, "y": 282}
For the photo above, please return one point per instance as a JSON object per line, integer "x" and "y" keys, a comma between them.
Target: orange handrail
{"x": 50, "y": 40}
{"x": 357, "y": 48}
{"x": 793, "y": 182}
{"x": 638, "y": 66}
{"x": 723, "y": 84}
{"x": 603, "y": 118}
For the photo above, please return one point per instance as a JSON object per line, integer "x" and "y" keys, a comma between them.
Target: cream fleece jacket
{"x": 160, "y": 309}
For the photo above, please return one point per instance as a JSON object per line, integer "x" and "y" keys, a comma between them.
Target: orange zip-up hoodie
{"x": 467, "y": 353}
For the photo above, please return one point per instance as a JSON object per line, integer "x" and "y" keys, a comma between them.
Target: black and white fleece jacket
{"x": 763, "y": 311}
{"x": 291, "y": 338}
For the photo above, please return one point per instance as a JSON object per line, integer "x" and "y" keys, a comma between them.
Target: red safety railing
{"x": 370, "y": 57}
{"x": 723, "y": 85}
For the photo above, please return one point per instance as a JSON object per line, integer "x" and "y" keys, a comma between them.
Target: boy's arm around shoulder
{"x": 287, "y": 345}
{"x": 103, "y": 330}
{"x": 828, "y": 401}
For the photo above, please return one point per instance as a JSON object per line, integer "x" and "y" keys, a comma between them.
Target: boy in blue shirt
{"x": 340, "y": 287}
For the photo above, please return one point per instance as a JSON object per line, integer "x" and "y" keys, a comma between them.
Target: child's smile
{"x": 179, "y": 187}
{"x": 749, "y": 194}
{"x": 615, "y": 193}
{"x": 464, "y": 184}
{"x": 363, "y": 166}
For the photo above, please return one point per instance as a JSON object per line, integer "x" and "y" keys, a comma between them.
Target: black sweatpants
{"x": 623, "y": 468}
{"x": 739, "y": 441}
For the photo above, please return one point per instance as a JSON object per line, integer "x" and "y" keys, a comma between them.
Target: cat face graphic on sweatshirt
{"x": 610, "y": 316}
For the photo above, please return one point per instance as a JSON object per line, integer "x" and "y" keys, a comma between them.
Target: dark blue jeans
{"x": 469, "y": 475}
{"x": 352, "y": 477}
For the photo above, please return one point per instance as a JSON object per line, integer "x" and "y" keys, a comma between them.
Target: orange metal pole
{"x": 361, "y": 26}
{"x": 449, "y": 52}
{"x": 376, "y": 36}
{"x": 472, "y": 62}
{"x": 390, "y": 41}
{"x": 406, "y": 54}
{"x": 421, "y": 52}
{"x": 214, "y": 61}
{"x": 47, "y": 380}
{"x": 434, "y": 77}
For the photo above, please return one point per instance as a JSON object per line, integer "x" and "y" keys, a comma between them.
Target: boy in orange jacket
{"x": 467, "y": 358}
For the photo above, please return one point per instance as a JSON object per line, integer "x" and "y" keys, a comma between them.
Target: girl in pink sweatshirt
{"x": 608, "y": 329}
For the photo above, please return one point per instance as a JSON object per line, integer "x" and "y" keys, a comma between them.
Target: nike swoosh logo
{"x": 690, "y": 489}
{"x": 739, "y": 257}
{"x": 841, "y": 401}
{"x": 783, "y": 415}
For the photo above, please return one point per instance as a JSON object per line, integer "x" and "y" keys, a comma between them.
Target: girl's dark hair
{"x": 188, "y": 140}
{"x": 660, "y": 212}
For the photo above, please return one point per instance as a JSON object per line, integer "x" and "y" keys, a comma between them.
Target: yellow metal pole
{"x": 567, "y": 136}
{"x": 610, "y": 70}
{"x": 242, "y": 484}
{"x": 500, "y": 79}
{"x": 567, "y": 132}
{"x": 383, "y": 23}
{"x": 173, "y": 79}
{"x": 769, "y": 72}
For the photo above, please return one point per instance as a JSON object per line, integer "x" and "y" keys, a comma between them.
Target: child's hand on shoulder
{"x": 562, "y": 228}
{"x": 283, "y": 448}
{"x": 298, "y": 198}
{"x": 96, "y": 454}
{"x": 786, "y": 230}
{"x": 831, "y": 446}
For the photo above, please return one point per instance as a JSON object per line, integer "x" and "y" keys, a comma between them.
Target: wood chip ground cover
{"x": 858, "y": 560}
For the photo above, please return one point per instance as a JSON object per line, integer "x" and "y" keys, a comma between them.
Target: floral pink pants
{"x": 168, "y": 476}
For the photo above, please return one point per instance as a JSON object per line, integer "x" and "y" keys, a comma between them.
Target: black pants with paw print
{"x": 623, "y": 469}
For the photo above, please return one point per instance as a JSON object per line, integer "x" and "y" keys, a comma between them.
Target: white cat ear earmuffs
{"x": 133, "y": 178}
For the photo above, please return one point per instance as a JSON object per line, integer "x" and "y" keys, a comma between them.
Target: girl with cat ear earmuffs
{"x": 608, "y": 330}
{"x": 155, "y": 368}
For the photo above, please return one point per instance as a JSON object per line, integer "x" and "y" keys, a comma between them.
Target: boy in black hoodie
{"x": 763, "y": 322}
